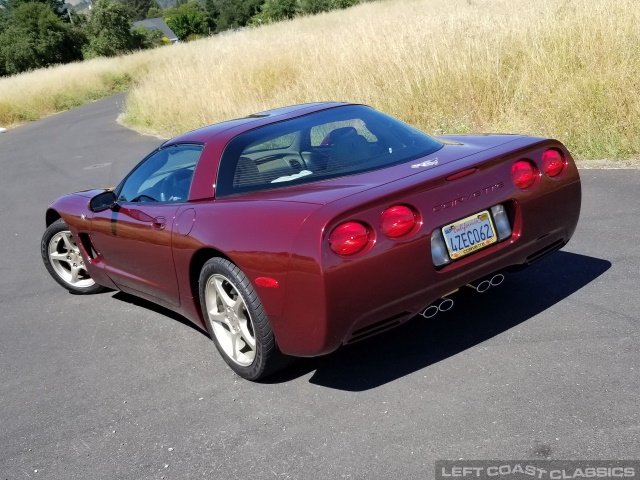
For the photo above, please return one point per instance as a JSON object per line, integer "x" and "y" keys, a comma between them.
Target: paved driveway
{"x": 111, "y": 387}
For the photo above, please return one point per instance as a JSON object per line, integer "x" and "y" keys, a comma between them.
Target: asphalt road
{"x": 109, "y": 387}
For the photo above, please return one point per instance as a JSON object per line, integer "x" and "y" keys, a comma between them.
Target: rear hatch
{"x": 458, "y": 153}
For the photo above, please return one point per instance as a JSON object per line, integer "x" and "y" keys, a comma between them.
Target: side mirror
{"x": 102, "y": 201}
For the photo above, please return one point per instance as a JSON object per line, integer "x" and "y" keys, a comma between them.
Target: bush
{"x": 194, "y": 36}
{"x": 154, "y": 12}
{"x": 344, "y": 3}
{"x": 146, "y": 38}
{"x": 275, "y": 10}
{"x": 35, "y": 37}
{"x": 234, "y": 14}
{"x": 186, "y": 20}
{"x": 312, "y": 7}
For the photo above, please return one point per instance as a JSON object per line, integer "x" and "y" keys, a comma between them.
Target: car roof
{"x": 205, "y": 134}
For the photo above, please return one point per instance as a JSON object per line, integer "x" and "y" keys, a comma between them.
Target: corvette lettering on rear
{"x": 459, "y": 200}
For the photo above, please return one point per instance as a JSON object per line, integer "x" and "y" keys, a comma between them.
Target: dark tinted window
{"x": 328, "y": 144}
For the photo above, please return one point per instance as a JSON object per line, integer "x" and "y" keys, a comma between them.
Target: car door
{"x": 134, "y": 238}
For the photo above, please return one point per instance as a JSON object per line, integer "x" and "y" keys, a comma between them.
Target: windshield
{"x": 324, "y": 145}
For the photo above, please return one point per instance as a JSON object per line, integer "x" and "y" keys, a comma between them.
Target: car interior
{"x": 302, "y": 153}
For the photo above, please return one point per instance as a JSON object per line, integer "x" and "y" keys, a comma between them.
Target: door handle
{"x": 159, "y": 223}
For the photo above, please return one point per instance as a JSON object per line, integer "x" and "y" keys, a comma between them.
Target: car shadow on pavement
{"x": 154, "y": 307}
{"x": 475, "y": 318}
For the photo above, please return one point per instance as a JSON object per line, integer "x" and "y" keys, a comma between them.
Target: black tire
{"x": 226, "y": 293}
{"x": 63, "y": 261}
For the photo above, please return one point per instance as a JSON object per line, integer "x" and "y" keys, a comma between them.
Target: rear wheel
{"x": 237, "y": 322}
{"x": 62, "y": 258}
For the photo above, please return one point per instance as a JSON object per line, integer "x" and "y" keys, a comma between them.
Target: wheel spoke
{"x": 238, "y": 308}
{"x": 246, "y": 334}
{"x": 222, "y": 294}
{"x": 66, "y": 238}
{"x": 60, "y": 257}
{"x": 219, "y": 317}
{"x": 234, "y": 345}
{"x": 243, "y": 323}
{"x": 75, "y": 272}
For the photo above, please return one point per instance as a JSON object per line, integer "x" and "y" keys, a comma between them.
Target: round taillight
{"x": 349, "y": 238}
{"x": 524, "y": 174}
{"x": 553, "y": 162}
{"x": 397, "y": 221}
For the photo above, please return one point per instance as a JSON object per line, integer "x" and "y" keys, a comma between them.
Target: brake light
{"x": 524, "y": 174}
{"x": 553, "y": 162}
{"x": 349, "y": 238}
{"x": 397, "y": 221}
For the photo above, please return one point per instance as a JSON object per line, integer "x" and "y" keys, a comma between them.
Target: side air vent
{"x": 87, "y": 245}
{"x": 295, "y": 164}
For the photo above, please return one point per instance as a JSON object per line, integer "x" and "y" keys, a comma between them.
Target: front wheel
{"x": 62, "y": 258}
{"x": 237, "y": 322}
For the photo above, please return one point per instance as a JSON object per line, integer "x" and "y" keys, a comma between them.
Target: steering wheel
{"x": 175, "y": 187}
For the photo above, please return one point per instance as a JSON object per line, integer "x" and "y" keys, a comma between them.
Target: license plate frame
{"x": 469, "y": 234}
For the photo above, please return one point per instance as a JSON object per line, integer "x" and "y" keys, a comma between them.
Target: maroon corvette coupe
{"x": 294, "y": 231}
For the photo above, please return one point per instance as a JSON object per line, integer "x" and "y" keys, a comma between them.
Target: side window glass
{"x": 165, "y": 177}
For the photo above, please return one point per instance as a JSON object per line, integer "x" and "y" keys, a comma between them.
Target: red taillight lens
{"x": 524, "y": 174}
{"x": 397, "y": 221}
{"x": 349, "y": 238}
{"x": 553, "y": 162}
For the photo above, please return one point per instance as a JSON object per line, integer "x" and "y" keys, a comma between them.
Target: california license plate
{"x": 469, "y": 234}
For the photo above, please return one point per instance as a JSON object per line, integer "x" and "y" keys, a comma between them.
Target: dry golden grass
{"x": 568, "y": 69}
{"x": 562, "y": 68}
{"x": 35, "y": 94}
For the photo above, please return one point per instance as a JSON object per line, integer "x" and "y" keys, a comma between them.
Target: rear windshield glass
{"x": 324, "y": 145}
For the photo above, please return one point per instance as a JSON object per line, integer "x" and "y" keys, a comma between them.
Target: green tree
{"x": 155, "y": 12}
{"x": 138, "y": 9}
{"x": 312, "y": 7}
{"x": 34, "y": 36}
{"x": 236, "y": 13}
{"x": 56, "y": 6}
{"x": 145, "y": 38}
{"x": 213, "y": 12}
{"x": 187, "y": 19}
{"x": 276, "y": 10}
{"x": 109, "y": 30}
{"x": 344, "y": 3}
{"x": 4, "y": 18}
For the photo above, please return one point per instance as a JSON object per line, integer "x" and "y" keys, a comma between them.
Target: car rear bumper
{"x": 354, "y": 300}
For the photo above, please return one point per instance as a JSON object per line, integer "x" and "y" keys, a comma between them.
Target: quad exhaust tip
{"x": 484, "y": 285}
{"x": 445, "y": 304}
{"x": 442, "y": 305}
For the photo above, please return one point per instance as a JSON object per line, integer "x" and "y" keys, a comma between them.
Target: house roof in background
{"x": 157, "y": 24}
